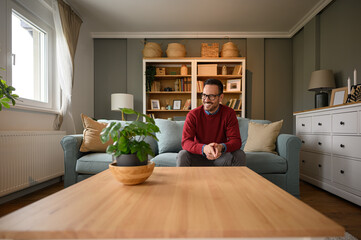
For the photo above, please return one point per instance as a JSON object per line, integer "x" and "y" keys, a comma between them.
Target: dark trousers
{"x": 236, "y": 158}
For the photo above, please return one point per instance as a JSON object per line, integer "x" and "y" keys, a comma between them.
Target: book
{"x": 236, "y": 105}
{"x": 237, "y": 70}
{"x": 187, "y": 104}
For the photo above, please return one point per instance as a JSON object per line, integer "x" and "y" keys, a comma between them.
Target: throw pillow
{"x": 91, "y": 135}
{"x": 170, "y": 135}
{"x": 262, "y": 137}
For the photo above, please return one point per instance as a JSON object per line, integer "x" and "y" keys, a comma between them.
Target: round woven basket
{"x": 152, "y": 50}
{"x": 229, "y": 49}
{"x": 176, "y": 50}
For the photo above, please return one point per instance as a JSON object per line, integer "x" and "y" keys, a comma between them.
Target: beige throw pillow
{"x": 91, "y": 135}
{"x": 262, "y": 137}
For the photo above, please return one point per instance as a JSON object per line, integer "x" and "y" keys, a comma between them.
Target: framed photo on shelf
{"x": 154, "y": 104}
{"x": 338, "y": 96}
{"x": 177, "y": 104}
{"x": 233, "y": 85}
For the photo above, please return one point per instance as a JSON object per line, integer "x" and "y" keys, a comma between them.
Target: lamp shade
{"x": 321, "y": 80}
{"x": 121, "y": 100}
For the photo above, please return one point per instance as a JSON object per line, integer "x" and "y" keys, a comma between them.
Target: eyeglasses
{"x": 210, "y": 96}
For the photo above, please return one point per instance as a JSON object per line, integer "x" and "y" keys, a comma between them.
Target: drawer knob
{"x": 302, "y": 124}
{"x": 320, "y": 143}
{"x": 319, "y": 165}
{"x": 319, "y": 124}
{"x": 342, "y": 146}
{"x": 303, "y": 141}
{"x": 342, "y": 171}
{"x": 303, "y": 161}
{"x": 342, "y": 123}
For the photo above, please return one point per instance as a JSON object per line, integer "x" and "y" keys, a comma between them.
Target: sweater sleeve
{"x": 189, "y": 133}
{"x": 234, "y": 141}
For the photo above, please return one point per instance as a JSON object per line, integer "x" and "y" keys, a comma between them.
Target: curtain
{"x": 67, "y": 27}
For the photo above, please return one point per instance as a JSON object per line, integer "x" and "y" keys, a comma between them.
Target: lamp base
{"x": 321, "y": 99}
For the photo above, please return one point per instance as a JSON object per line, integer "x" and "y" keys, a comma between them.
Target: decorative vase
{"x": 224, "y": 70}
{"x": 184, "y": 70}
{"x": 152, "y": 50}
{"x": 176, "y": 50}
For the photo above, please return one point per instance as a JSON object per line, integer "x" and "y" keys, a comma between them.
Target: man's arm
{"x": 189, "y": 132}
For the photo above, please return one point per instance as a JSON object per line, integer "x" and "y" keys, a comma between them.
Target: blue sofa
{"x": 281, "y": 169}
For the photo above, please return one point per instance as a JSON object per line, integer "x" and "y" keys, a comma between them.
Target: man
{"x": 211, "y": 133}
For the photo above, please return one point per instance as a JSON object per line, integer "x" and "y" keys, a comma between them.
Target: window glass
{"x": 28, "y": 59}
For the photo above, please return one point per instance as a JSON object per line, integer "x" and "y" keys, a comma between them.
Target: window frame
{"x": 53, "y": 89}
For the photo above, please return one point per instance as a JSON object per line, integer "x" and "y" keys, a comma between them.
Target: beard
{"x": 210, "y": 106}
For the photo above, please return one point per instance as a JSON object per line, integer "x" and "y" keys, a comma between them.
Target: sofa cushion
{"x": 264, "y": 162}
{"x": 91, "y": 135}
{"x": 262, "y": 137}
{"x": 93, "y": 163}
{"x": 243, "y": 128}
{"x": 165, "y": 160}
{"x": 170, "y": 135}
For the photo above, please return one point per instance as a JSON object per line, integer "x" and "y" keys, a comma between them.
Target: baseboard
{"x": 29, "y": 190}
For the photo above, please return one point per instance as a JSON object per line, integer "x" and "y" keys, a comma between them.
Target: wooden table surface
{"x": 196, "y": 202}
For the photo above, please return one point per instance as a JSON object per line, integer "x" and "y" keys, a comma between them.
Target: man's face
{"x": 211, "y": 102}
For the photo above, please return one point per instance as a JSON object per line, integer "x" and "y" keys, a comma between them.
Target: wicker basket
{"x": 176, "y": 50}
{"x": 210, "y": 50}
{"x": 152, "y": 50}
{"x": 229, "y": 49}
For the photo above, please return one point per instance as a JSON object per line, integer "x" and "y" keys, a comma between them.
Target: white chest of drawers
{"x": 330, "y": 156}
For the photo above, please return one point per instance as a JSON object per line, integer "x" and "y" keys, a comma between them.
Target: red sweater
{"x": 201, "y": 128}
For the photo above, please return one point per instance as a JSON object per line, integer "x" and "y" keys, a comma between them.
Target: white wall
{"x": 83, "y": 89}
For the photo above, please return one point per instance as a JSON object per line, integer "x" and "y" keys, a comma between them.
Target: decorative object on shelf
{"x": 355, "y": 94}
{"x": 132, "y": 175}
{"x": 237, "y": 70}
{"x": 207, "y": 69}
{"x": 154, "y": 104}
{"x": 210, "y": 50}
{"x": 155, "y": 86}
{"x": 177, "y": 104}
{"x": 233, "y": 85}
{"x": 321, "y": 82}
{"x": 338, "y": 96}
{"x": 121, "y": 100}
{"x": 160, "y": 71}
{"x": 176, "y": 50}
{"x": 152, "y": 50}
{"x": 229, "y": 49}
{"x": 187, "y": 105}
{"x": 168, "y": 89}
{"x": 224, "y": 70}
{"x": 129, "y": 138}
{"x": 184, "y": 70}
{"x": 149, "y": 77}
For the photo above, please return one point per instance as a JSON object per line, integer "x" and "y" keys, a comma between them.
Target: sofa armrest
{"x": 71, "y": 145}
{"x": 289, "y": 147}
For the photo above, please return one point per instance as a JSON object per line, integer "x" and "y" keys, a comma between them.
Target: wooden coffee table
{"x": 196, "y": 202}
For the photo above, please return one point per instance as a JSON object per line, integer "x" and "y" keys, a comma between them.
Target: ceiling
{"x": 196, "y": 18}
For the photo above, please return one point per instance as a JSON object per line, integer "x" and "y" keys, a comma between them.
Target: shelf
{"x": 172, "y": 76}
{"x": 225, "y": 92}
{"x": 170, "y": 92}
{"x": 219, "y": 76}
{"x": 156, "y": 110}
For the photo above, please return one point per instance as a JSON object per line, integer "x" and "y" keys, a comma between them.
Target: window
{"x": 30, "y": 61}
{"x": 28, "y": 55}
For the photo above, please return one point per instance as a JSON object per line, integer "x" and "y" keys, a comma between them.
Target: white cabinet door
{"x": 321, "y": 124}
{"x": 347, "y": 172}
{"x": 303, "y": 124}
{"x": 349, "y": 146}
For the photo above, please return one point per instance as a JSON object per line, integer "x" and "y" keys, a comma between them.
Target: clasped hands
{"x": 213, "y": 151}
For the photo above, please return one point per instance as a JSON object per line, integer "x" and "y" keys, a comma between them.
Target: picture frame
{"x": 177, "y": 104}
{"x": 233, "y": 85}
{"x": 154, "y": 104}
{"x": 338, "y": 96}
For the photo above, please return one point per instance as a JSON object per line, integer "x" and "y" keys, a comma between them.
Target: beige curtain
{"x": 71, "y": 26}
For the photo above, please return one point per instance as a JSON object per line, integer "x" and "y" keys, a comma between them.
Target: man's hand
{"x": 213, "y": 151}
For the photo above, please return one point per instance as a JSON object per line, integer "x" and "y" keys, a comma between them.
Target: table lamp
{"x": 321, "y": 82}
{"x": 121, "y": 100}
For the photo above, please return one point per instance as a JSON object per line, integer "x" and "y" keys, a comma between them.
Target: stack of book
{"x": 234, "y": 103}
{"x": 200, "y": 85}
{"x": 155, "y": 86}
{"x": 184, "y": 84}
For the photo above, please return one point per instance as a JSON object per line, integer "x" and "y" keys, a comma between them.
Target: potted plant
{"x": 6, "y": 95}
{"x": 129, "y": 147}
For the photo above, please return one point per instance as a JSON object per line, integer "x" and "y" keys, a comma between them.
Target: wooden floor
{"x": 341, "y": 211}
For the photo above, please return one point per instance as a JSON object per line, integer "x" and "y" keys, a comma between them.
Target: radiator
{"x": 28, "y": 158}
